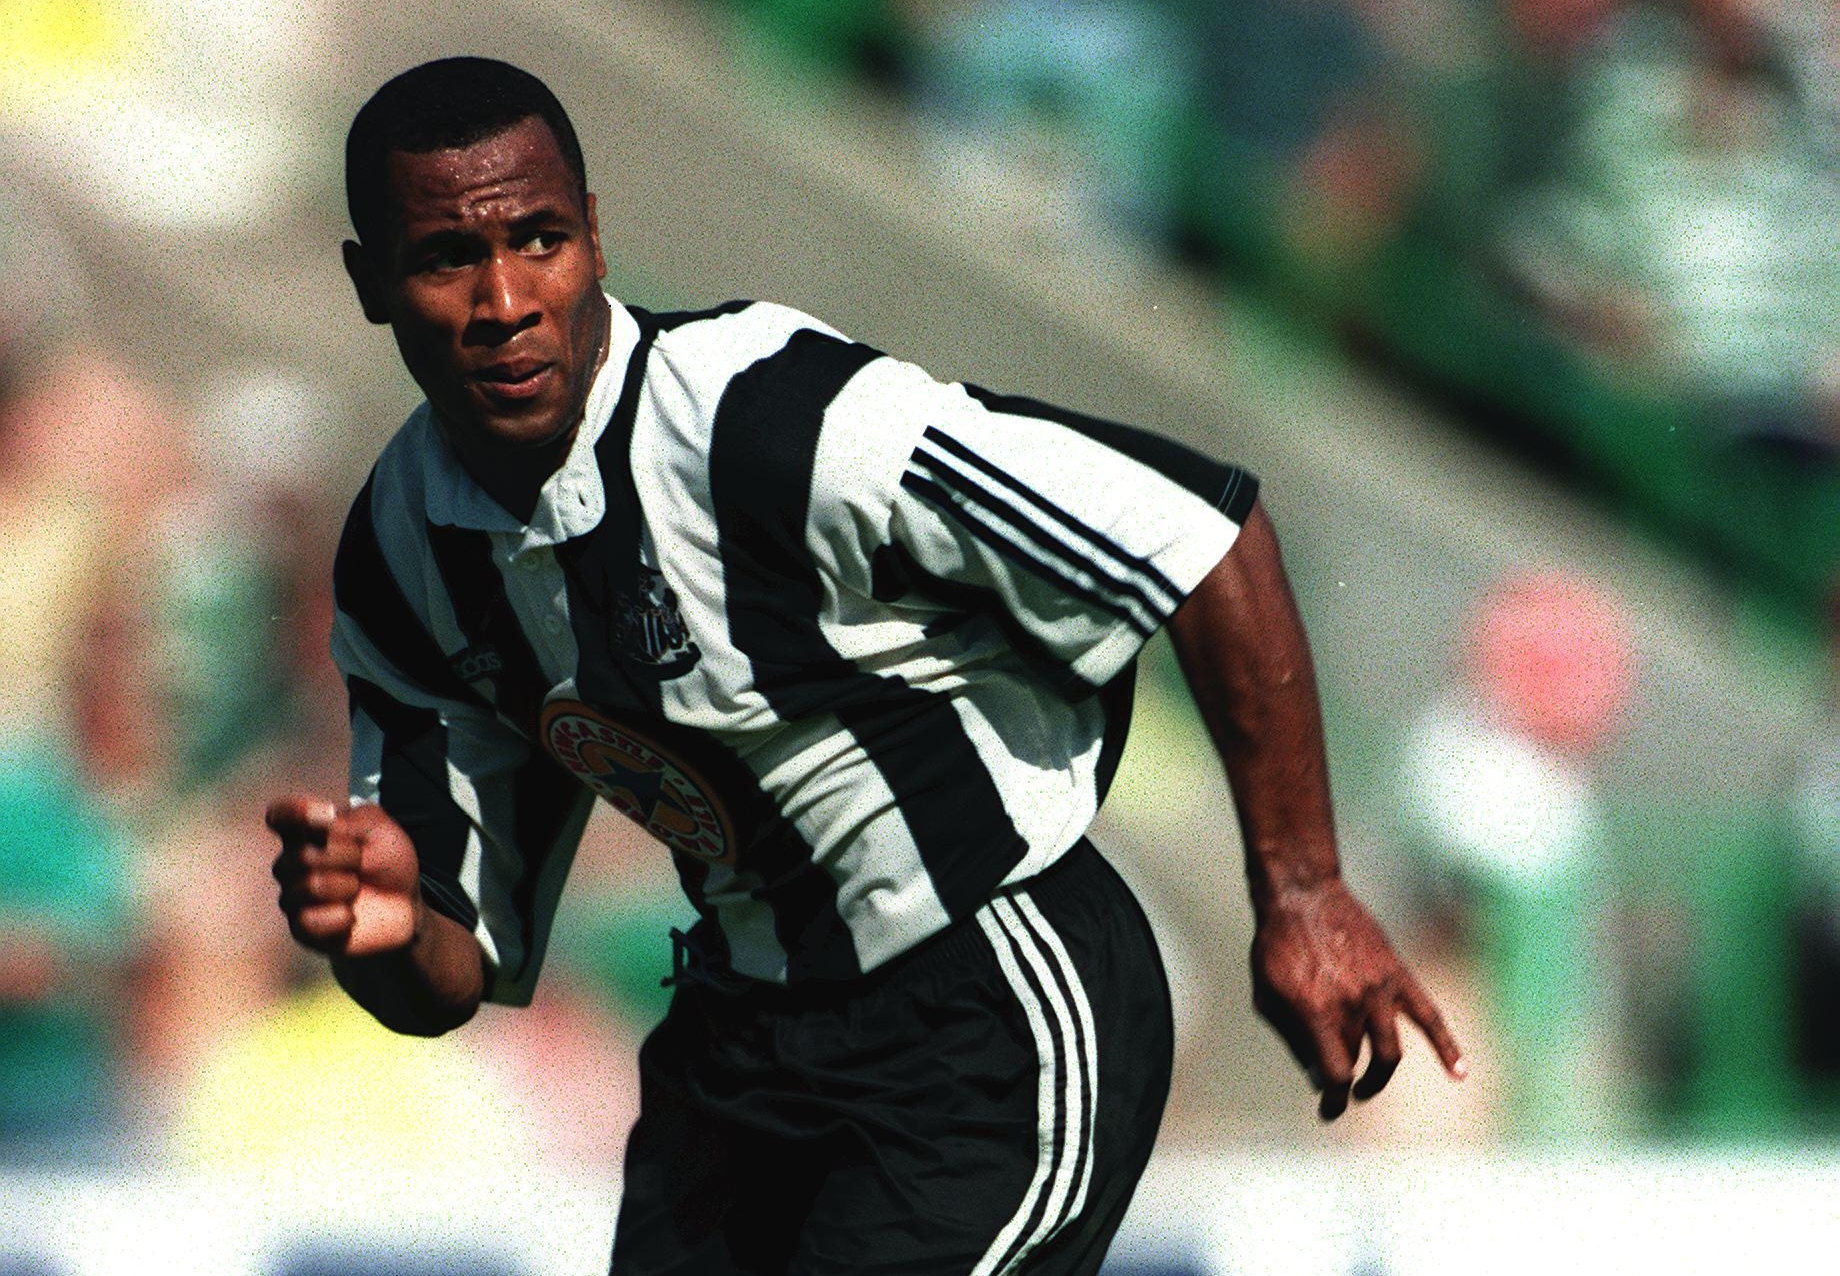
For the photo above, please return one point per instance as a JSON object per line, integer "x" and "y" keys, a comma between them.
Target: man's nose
{"x": 499, "y": 298}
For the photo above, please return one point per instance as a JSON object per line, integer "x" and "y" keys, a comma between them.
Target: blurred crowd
{"x": 1608, "y": 222}
{"x": 1573, "y": 205}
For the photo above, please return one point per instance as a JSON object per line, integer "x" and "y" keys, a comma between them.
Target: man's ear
{"x": 364, "y": 278}
{"x": 594, "y": 238}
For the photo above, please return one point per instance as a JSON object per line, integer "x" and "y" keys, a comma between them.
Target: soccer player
{"x": 857, "y": 647}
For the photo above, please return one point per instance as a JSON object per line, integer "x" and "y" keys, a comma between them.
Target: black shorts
{"x": 983, "y": 1105}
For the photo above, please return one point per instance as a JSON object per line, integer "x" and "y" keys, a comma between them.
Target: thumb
{"x": 298, "y": 815}
{"x": 381, "y": 923}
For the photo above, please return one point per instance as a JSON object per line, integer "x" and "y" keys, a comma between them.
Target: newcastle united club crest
{"x": 650, "y": 629}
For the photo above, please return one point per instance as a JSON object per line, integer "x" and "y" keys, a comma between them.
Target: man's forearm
{"x": 1323, "y": 974}
{"x": 432, "y": 986}
{"x": 1246, "y": 657}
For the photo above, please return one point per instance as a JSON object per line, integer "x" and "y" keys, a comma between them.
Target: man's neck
{"x": 514, "y": 477}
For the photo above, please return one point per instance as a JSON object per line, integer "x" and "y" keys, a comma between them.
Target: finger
{"x": 1425, "y": 1014}
{"x": 330, "y": 886}
{"x": 299, "y": 816}
{"x": 334, "y": 885}
{"x": 1354, "y": 1034}
{"x": 342, "y": 848}
{"x": 1337, "y": 1067}
{"x": 297, "y": 861}
{"x": 1383, "y": 1061}
{"x": 348, "y": 832}
{"x": 1292, "y": 1032}
{"x": 322, "y": 926}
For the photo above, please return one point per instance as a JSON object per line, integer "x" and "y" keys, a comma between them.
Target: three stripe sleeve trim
{"x": 1124, "y": 597}
{"x": 1227, "y": 488}
{"x": 1103, "y": 546}
{"x": 1054, "y": 574}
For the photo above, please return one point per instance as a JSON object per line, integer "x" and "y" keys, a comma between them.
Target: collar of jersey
{"x": 573, "y": 500}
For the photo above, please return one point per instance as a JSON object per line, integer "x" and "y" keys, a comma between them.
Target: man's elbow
{"x": 428, "y": 1022}
{"x": 404, "y": 1008}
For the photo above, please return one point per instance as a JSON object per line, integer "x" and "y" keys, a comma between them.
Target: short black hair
{"x": 442, "y": 105}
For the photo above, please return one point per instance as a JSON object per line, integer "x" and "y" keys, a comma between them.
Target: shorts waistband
{"x": 958, "y": 940}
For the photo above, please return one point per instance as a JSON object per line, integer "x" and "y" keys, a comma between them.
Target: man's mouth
{"x": 514, "y": 379}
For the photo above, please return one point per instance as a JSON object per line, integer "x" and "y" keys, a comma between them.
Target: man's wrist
{"x": 1293, "y": 882}
{"x": 426, "y": 986}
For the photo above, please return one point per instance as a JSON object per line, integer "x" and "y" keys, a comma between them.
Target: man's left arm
{"x": 1323, "y": 972}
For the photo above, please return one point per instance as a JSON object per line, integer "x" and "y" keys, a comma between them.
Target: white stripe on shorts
{"x": 1088, "y": 1033}
{"x": 1051, "y": 1017}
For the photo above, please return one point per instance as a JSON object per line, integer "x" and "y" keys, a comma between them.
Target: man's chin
{"x": 523, "y": 436}
{"x": 517, "y": 420}
{"x": 509, "y": 435}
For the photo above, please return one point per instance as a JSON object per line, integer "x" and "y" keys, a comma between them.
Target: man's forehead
{"x": 521, "y": 164}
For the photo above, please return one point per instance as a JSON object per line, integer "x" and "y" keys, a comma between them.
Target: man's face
{"x": 490, "y": 280}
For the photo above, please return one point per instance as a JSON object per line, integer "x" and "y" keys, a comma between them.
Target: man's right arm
{"x": 350, "y": 888}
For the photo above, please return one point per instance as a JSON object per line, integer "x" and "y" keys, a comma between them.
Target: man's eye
{"x": 445, "y": 259}
{"x": 543, "y": 241}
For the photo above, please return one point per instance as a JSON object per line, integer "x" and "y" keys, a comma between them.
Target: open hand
{"x": 1324, "y": 976}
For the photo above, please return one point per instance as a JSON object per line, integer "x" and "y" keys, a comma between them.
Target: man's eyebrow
{"x": 434, "y": 240}
{"x": 442, "y": 235}
{"x": 546, "y": 214}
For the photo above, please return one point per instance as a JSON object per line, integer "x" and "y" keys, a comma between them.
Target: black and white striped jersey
{"x": 847, "y": 640}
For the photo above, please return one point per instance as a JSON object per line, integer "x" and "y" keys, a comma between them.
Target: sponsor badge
{"x": 641, "y": 779}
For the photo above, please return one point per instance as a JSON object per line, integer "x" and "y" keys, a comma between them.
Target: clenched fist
{"x": 351, "y": 889}
{"x": 350, "y": 881}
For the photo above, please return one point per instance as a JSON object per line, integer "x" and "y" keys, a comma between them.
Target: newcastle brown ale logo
{"x": 641, "y": 780}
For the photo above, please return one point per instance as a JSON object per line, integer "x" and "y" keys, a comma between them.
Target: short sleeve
{"x": 494, "y": 821}
{"x": 1087, "y": 534}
